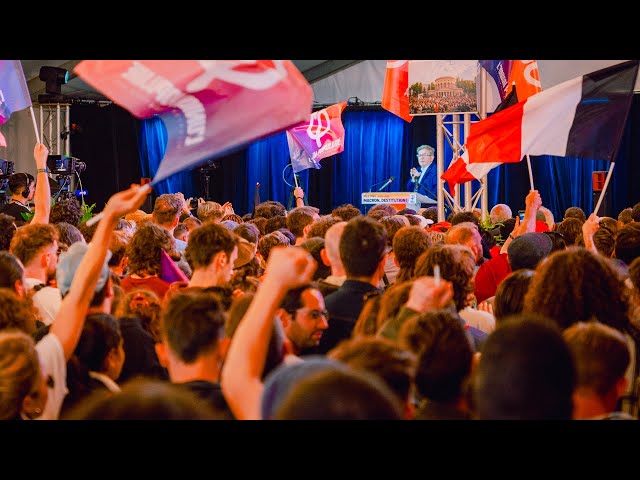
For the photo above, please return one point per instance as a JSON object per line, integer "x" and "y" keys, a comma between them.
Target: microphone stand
{"x": 419, "y": 184}
{"x": 376, "y": 184}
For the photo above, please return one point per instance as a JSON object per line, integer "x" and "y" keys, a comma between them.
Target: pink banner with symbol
{"x": 208, "y": 106}
{"x": 321, "y": 136}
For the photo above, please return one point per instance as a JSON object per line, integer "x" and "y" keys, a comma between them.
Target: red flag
{"x": 503, "y": 74}
{"x": 526, "y": 77}
{"x": 208, "y": 106}
{"x": 321, "y": 136}
{"x": 395, "y": 95}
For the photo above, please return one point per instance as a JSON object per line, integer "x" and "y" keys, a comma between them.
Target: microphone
{"x": 386, "y": 184}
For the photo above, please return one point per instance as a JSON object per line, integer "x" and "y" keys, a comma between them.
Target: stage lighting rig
{"x": 54, "y": 78}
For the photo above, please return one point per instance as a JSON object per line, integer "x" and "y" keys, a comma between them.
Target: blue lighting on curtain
{"x": 151, "y": 145}
{"x": 373, "y": 151}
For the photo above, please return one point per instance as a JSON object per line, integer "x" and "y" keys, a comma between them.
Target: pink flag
{"x": 320, "y": 136}
{"x": 208, "y": 106}
{"x": 169, "y": 271}
{"x": 14, "y": 94}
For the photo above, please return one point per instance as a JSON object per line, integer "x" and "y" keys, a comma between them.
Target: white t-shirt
{"x": 47, "y": 300}
{"x": 51, "y": 356}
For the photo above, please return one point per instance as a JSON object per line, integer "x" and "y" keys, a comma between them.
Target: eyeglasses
{"x": 314, "y": 314}
{"x": 424, "y": 155}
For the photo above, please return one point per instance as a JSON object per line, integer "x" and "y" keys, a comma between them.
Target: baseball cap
{"x": 68, "y": 263}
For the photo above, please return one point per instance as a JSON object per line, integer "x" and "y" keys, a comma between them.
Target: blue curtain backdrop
{"x": 379, "y": 145}
{"x": 372, "y": 153}
{"x": 152, "y": 145}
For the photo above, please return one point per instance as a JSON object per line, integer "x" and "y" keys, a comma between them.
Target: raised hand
{"x": 185, "y": 203}
{"x": 426, "y": 294}
{"x": 289, "y": 267}
{"x": 590, "y": 226}
{"x": 228, "y": 209}
{"x": 127, "y": 201}
{"x": 40, "y": 154}
{"x": 486, "y": 307}
{"x": 533, "y": 200}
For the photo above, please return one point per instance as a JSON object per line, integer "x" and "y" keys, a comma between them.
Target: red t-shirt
{"x": 154, "y": 284}
{"x": 490, "y": 275}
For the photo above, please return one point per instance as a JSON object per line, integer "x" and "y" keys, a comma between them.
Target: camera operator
{"x": 23, "y": 191}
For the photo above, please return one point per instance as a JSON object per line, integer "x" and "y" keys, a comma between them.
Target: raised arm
{"x": 287, "y": 267}
{"x": 70, "y": 318}
{"x": 589, "y": 228}
{"x": 42, "y": 197}
{"x": 186, "y": 204}
{"x": 533, "y": 201}
{"x": 426, "y": 294}
{"x": 298, "y": 192}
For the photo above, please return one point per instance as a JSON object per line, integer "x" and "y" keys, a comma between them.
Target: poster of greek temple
{"x": 442, "y": 86}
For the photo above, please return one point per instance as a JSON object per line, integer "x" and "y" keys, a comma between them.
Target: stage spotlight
{"x": 54, "y": 77}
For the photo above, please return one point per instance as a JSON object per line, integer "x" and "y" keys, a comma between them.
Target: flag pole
{"x": 256, "y": 199}
{"x": 35, "y": 125}
{"x": 530, "y": 173}
{"x": 99, "y": 216}
{"x": 604, "y": 189}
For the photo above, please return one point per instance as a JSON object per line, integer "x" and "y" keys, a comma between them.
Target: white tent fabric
{"x": 364, "y": 80}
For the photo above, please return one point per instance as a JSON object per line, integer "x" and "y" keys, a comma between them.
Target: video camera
{"x": 6, "y": 168}
{"x": 65, "y": 165}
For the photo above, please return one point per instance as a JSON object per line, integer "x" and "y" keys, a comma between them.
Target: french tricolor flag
{"x": 583, "y": 118}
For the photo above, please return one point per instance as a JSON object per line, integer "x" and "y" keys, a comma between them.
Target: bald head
{"x": 466, "y": 233}
{"x": 332, "y": 248}
{"x": 499, "y": 213}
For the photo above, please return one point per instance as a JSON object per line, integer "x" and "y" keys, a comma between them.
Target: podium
{"x": 399, "y": 200}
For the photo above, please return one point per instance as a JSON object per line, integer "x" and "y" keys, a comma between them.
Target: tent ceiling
{"x": 312, "y": 70}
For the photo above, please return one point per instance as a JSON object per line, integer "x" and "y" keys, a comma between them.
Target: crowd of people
{"x": 456, "y": 103}
{"x": 205, "y": 313}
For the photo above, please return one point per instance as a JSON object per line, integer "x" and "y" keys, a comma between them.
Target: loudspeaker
{"x": 606, "y": 207}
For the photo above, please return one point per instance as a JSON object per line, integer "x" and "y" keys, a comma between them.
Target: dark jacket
{"x": 344, "y": 306}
